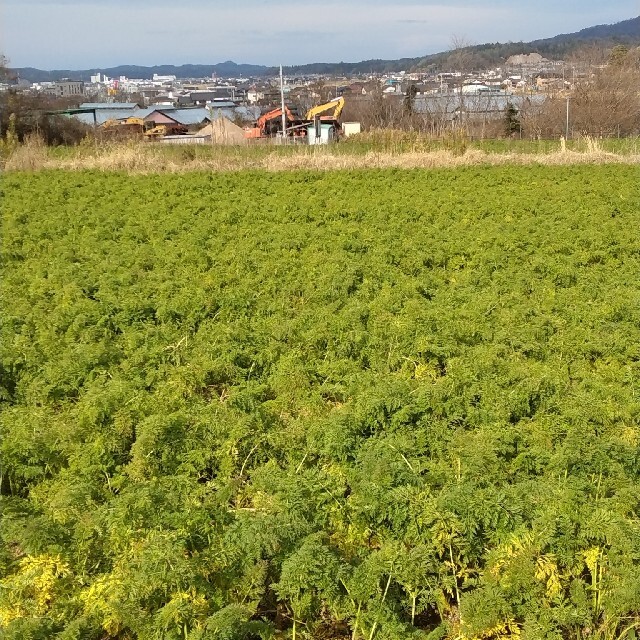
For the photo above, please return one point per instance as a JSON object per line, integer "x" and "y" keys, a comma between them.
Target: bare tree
{"x": 461, "y": 61}
{"x": 589, "y": 55}
{"x": 460, "y": 57}
{"x": 604, "y": 101}
{"x": 6, "y": 74}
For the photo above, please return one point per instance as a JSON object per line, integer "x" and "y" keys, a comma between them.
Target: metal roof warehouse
{"x": 115, "y": 111}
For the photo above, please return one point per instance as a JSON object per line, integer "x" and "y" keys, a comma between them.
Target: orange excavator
{"x": 270, "y": 123}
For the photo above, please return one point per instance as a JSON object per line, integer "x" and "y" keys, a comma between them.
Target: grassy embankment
{"x": 375, "y": 150}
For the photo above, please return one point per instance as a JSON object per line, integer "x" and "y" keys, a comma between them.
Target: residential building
{"x": 66, "y": 88}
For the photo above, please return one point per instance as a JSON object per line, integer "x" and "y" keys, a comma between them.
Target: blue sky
{"x": 75, "y": 34}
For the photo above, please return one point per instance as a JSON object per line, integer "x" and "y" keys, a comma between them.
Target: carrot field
{"x": 368, "y": 404}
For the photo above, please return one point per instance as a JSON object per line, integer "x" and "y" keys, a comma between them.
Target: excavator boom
{"x": 337, "y": 105}
{"x": 276, "y": 113}
{"x": 262, "y": 124}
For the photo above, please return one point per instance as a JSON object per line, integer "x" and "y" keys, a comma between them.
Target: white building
{"x": 157, "y": 78}
{"x": 254, "y": 96}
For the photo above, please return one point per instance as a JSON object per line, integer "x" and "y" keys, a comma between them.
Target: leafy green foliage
{"x": 383, "y": 404}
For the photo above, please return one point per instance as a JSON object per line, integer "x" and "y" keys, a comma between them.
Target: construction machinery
{"x": 270, "y": 123}
{"x": 323, "y": 115}
{"x": 126, "y": 127}
{"x": 334, "y": 106}
{"x": 136, "y": 126}
{"x": 123, "y": 123}
{"x": 161, "y": 130}
{"x": 323, "y": 125}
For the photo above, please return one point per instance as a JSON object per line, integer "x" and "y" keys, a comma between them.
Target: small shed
{"x": 321, "y": 134}
{"x": 159, "y": 117}
{"x": 188, "y": 119}
{"x": 351, "y": 128}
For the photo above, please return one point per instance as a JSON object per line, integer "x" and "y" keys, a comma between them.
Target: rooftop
{"x": 109, "y": 105}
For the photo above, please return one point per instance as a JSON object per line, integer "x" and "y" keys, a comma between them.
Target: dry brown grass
{"x": 30, "y": 156}
{"x": 146, "y": 158}
{"x": 437, "y": 159}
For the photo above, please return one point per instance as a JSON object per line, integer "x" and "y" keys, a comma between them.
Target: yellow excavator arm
{"x": 337, "y": 105}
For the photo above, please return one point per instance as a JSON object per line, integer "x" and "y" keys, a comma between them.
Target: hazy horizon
{"x": 68, "y": 34}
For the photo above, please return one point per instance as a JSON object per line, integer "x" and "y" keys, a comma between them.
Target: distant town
{"x": 570, "y": 85}
{"x": 170, "y": 106}
{"x": 521, "y": 73}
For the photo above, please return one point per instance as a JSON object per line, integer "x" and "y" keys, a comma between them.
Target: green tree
{"x": 512, "y": 125}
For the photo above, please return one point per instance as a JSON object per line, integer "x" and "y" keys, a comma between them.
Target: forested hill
{"x": 626, "y": 32}
{"x": 493, "y": 54}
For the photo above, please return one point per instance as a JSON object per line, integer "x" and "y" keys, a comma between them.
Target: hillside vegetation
{"x": 372, "y": 404}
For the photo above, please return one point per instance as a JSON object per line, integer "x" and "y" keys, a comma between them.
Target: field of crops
{"x": 375, "y": 404}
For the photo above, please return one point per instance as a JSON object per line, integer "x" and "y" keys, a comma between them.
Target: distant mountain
{"x": 558, "y": 47}
{"x": 488, "y": 55}
{"x": 626, "y": 32}
{"x": 227, "y": 69}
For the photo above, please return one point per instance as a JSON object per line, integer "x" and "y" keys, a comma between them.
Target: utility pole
{"x": 566, "y": 130}
{"x": 284, "y": 116}
{"x": 95, "y": 130}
